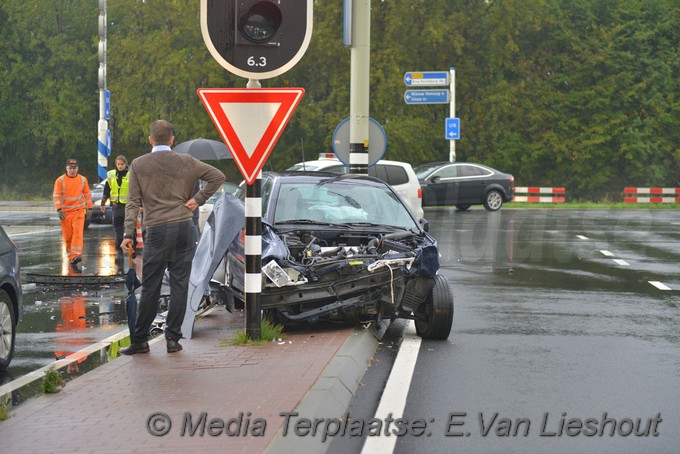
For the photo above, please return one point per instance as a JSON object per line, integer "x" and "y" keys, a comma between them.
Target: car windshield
{"x": 339, "y": 202}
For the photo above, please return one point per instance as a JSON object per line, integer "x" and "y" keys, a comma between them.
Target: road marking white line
{"x": 581, "y": 237}
{"x": 607, "y": 253}
{"x": 659, "y": 285}
{"x": 394, "y": 396}
{"x": 621, "y": 262}
{"x": 33, "y": 232}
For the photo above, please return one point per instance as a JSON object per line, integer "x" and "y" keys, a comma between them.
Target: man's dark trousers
{"x": 172, "y": 246}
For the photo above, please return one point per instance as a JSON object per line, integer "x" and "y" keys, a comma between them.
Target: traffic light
{"x": 257, "y": 39}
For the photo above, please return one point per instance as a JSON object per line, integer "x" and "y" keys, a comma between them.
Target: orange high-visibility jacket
{"x": 72, "y": 194}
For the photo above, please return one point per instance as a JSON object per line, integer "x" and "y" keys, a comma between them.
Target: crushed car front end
{"x": 340, "y": 248}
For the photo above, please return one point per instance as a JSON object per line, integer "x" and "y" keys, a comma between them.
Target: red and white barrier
{"x": 538, "y": 199}
{"x": 649, "y": 191}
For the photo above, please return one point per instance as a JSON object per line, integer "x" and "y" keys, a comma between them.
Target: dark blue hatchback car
{"x": 10, "y": 298}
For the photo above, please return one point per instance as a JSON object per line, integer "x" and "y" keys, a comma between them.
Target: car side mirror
{"x": 435, "y": 179}
{"x": 424, "y": 224}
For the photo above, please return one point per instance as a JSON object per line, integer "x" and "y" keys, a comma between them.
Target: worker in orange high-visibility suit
{"x": 73, "y": 201}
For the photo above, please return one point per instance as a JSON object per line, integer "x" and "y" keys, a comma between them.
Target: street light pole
{"x": 360, "y": 56}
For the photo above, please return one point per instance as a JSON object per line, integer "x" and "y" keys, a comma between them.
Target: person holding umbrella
{"x": 163, "y": 182}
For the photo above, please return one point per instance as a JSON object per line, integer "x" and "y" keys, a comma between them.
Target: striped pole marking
{"x": 539, "y": 190}
{"x": 253, "y": 258}
{"x": 358, "y": 158}
{"x": 650, "y": 191}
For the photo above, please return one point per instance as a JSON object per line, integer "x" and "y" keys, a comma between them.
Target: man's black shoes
{"x": 76, "y": 260}
{"x": 134, "y": 348}
{"x": 173, "y": 345}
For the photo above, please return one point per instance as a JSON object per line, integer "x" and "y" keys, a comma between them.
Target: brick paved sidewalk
{"x": 243, "y": 388}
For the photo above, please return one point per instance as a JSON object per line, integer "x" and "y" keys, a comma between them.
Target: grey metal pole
{"x": 359, "y": 86}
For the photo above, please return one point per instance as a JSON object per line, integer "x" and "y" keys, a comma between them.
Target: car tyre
{"x": 8, "y": 323}
{"x": 462, "y": 207}
{"x": 434, "y": 317}
{"x": 493, "y": 200}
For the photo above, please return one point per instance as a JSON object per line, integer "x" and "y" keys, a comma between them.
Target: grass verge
{"x": 269, "y": 331}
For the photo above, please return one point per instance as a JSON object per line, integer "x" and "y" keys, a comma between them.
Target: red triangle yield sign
{"x": 250, "y": 121}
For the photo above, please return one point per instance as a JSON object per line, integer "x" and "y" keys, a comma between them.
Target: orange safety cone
{"x": 139, "y": 237}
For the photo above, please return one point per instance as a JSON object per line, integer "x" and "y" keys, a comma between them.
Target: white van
{"x": 399, "y": 175}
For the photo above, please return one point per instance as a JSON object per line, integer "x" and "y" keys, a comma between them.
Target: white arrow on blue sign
{"x": 427, "y": 79}
{"x": 107, "y": 104}
{"x": 426, "y": 96}
{"x": 452, "y": 127}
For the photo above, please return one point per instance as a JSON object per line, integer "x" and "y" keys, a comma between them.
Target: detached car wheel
{"x": 434, "y": 317}
{"x": 7, "y": 330}
{"x": 493, "y": 201}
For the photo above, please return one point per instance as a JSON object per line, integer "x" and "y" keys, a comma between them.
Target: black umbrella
{"x": 132, "y": 283}
{"x": 204, "y": 149}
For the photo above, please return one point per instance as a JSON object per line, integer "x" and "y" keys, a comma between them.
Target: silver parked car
{"x": 10, "y": 298}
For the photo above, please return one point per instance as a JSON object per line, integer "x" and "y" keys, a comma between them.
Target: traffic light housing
{"x": 257, "y": 39}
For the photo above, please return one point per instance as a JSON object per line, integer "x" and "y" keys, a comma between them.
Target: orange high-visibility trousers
{"x": 72, "y": 231}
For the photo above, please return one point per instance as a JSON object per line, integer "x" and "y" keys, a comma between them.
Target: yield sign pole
{"x": 250, "y": 122}
{"x": 252, "y": 252}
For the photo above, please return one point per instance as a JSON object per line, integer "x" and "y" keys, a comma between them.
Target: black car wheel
{"x": 7, "y": 330}
{"x": 462, "y": 207}
{"x": 493, "y": 200}
{"x": 434, "y": 317}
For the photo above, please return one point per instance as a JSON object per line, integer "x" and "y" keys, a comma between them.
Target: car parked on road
{"x": 399, "y": 175}
{"x": 464, "y": 184}
{"x": 11, "y": 309}
{"x": 342, "y": 247}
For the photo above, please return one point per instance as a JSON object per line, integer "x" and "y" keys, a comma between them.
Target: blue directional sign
{"x": 452, "y": 127}
{"x": 426, "y": 96}
{"x": 107, "y": 104}
{"x": 427, "y": 79}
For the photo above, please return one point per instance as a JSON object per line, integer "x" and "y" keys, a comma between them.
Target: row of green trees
{"x": 575, "y": 93}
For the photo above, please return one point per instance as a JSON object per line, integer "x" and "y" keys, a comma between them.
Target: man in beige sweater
{"x": 163, "y": 182}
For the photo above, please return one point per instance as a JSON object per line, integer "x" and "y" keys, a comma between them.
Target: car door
{"x": 472, "y": 181}
{"x": 441, "y": 187}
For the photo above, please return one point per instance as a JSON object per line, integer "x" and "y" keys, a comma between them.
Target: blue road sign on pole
{"x": 426, "y": 96}
{"x": 452, "y": 127}
{"x": 107, "y": 104}
{"x": 427, "y": 79}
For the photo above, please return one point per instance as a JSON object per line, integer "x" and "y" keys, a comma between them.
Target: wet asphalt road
{"x": 59, "y": 320}
{"x": 555, "y": 318}
{"x": 560, "y": 315}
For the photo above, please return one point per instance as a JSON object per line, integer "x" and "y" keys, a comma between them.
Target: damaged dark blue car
{"x": 341, "y": 248}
